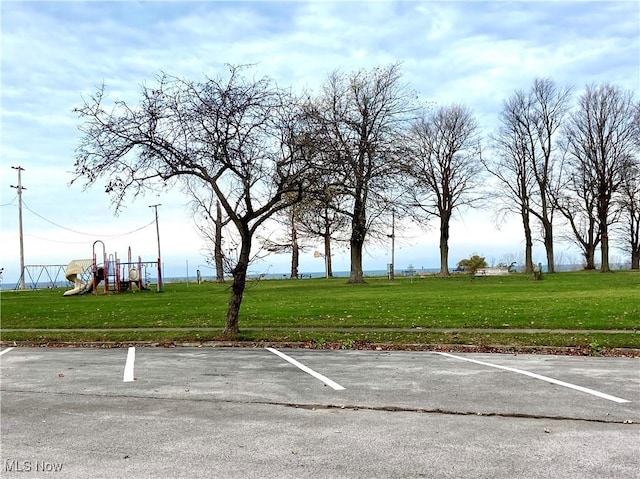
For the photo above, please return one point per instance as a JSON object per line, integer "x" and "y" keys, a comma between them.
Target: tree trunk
{"x": 356, "y": 275}
{"x": 604, "y": 250}
{"x": 295, "y": 252}
{"x": 634, "y": 237}
{"x": 528, "y": 242}
{"x": 603, "y": 208}
{"x": 589, "y": 254}
{"x": 327, "y": 254}
{"x": 548, "y": 245}
{"x": 589, "y": 246}
{"x": 358, "y": 233}
{"x": 444, "y": 244}
{"x": 635, "y": 258}
{"x": 239, "y": 273}
{"x": 218, "y": 254}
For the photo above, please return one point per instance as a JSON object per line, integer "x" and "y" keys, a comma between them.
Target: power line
{"x": 49, "y": 240}
{"x": 11, "y": 203}
{"x": 87, "y": 234}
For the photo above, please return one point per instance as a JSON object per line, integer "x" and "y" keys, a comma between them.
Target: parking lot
{"x": 264, "y": 412}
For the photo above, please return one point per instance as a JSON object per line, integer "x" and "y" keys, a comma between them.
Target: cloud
{"x": 471, "y": 52}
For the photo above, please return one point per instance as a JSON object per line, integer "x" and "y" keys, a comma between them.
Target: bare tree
{"x": 320, "y": 217}
{"x": 601, "y": 138}
{"x": 575, "y": 198}
{"x": 547, "y": 109}
{"x": 211, "y": 231}
{"x": 531, "y": 120}
{"x": 512, "y": 168}
{"x": 236, "y": 136}
{"x": 290, "y": 241}
{"x": 445, "y": 167}
{"x": 357, "y": 121}
{"x": 630, "y": 213}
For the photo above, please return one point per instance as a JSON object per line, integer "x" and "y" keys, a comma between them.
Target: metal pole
{"x": 20, "y": 188}
{"x": 155, "y": 207}
{"x": 393, "y": 243}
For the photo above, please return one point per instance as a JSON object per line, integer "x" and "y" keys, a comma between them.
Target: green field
{"x": 579, "y": 310}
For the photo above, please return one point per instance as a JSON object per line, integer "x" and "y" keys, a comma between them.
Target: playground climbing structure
{"x": 107, "y": 269}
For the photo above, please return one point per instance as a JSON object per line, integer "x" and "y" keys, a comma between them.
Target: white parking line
{"x": 128, "y": 367}
{"x": 5, "y": 351}
{"x": 307, "y": 370}
{"x": 543, "y": 378}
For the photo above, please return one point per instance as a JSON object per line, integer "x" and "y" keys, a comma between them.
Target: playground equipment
{"x": 77, "y": 271}
{"x": 116, "y": 276}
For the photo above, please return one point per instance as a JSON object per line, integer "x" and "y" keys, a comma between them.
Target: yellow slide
{"x": 74, "y": 269}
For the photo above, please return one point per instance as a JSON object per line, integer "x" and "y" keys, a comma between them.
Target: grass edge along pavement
{"x": 538, "y": 343}
{"x": 590, "y": 313}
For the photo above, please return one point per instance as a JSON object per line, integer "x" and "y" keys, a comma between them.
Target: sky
{"x": 54, "y": 54}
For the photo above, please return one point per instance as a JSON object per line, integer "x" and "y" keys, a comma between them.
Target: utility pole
{"x": 155, "y": 207}
{"x": 20, "y": 188}
{"x": 392, "y": 266}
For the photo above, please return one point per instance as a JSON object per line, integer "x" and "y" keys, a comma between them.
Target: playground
{"x": 115, "y": 275}
{"x": 102, "y": 273}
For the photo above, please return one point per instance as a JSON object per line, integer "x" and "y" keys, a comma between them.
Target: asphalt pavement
{"x": 297, "y": 413}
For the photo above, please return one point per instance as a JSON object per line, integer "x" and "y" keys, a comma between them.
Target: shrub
{"x": 472, "y": 264}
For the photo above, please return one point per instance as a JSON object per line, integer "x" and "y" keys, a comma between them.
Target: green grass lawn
{"x": 322, "y": 310}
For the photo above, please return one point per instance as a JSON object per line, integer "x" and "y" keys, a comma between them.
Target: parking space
{"x": 211, "y": 412}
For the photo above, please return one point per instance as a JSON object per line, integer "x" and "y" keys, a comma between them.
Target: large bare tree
{"x": 575, "y": 198}
{"x": 235, "y": 135}
{"x": 548, "y": 106}
{"x": 601, "y": 138}
{"x": 357, "y": 119}
{"x": 512, "y": 168}
{"x": 532, "y": 120}
{"x": 445, "y": 167}
{"x": 629, "y": 199}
